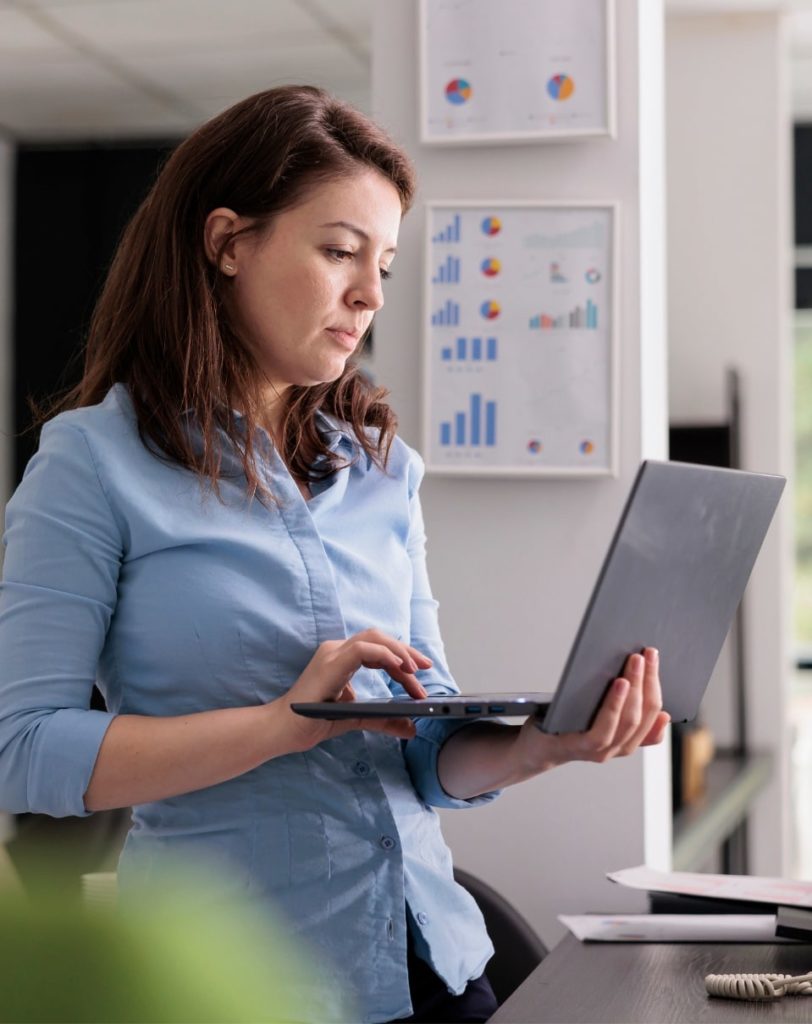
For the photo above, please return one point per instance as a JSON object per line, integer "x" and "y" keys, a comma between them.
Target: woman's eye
{"x": 340, "y": 255}
{"x": 385, "y": 274}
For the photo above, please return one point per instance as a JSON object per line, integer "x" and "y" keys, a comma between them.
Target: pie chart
{"x": 561, "y": 87}
{"x": 490, "y": 309}
{"x": 458, "y": 91}
{"x": 491, "y": 225}
{"x": 491, "y": 266}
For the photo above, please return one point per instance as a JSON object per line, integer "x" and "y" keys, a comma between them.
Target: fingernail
{"x": 653, "y": 655}
{"x": 424, "y": 692}
{"x": 621, "y": 686}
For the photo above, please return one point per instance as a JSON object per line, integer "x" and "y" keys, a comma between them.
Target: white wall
{"x": 729, "y": 251}
{"x": 512, "y": 562}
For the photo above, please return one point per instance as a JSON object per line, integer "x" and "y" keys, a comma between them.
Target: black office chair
{"x": 518, "y": 949}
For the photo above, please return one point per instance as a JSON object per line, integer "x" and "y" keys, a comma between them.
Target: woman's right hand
{"x": 328, "y": 675}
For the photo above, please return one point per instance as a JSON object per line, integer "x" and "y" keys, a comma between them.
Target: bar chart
{"x": 473, "y": 427}
{"x": 447, "y": 315}
{"x": 448, "y": 272}
{"x": 451, "y": 232}
{"x": 585, "y": 317}
{"x": 475, "y": 350}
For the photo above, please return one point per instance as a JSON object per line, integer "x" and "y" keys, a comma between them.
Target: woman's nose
{"x": 367, "y": 291}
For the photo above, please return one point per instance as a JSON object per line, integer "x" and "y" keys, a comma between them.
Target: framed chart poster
{"x": 520, "y": 70}
{"x": 520, "y": 362}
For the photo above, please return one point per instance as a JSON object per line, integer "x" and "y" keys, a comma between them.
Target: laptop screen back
{"x": 673, "y": 578}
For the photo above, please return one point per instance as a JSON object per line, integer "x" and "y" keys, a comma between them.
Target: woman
{"x": 224, "y": 521}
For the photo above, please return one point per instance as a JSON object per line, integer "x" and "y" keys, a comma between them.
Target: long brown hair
{"x": 160, "y": 325}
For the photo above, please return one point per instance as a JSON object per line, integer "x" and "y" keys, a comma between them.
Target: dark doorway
{"x": 72, "y": 205}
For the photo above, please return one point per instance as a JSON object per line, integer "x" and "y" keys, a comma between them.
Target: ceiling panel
{"x": 352, "y": 15}
{"x": 205, "y": 73}
{"x": 23, "y": 38}
{"x": 63, "y": 80}
{"x": 95, "y": 121}
{"x": 141, "y": 66}
{"x": 213, "y": 105}
{"x": 121, "y": 26}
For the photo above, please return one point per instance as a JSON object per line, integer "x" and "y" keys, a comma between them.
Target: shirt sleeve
{"x": 63, "y": 553}
{"x": 432, "y": 733}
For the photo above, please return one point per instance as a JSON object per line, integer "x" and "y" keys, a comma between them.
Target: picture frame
{"x": 520, "y": 352}
{"x": 516, "y": 71}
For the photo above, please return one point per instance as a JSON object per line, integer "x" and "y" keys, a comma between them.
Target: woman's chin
{"x": 328, "y": 373}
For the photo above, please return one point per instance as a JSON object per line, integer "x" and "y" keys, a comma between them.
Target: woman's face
{"x": 304, "y": 292}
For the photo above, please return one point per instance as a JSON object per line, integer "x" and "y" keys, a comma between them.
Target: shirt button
{"x": 422, "y": 918}
{"x": 388, "y": 843}
{"x": 361, "y": 768}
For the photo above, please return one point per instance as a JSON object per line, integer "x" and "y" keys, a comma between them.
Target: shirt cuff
{"x": 421, "y": 760}
{"x": 66, "y": 749}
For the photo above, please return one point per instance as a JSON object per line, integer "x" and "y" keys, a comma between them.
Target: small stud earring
{"x": 227, "y": 266}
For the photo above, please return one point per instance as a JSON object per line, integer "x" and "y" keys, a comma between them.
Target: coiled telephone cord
{"x": 758, "y": 986}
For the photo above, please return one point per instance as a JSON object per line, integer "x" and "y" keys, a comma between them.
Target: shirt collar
{"x": 335, "y": 432}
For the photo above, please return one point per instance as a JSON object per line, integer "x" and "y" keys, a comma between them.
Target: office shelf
{"x": 732, "y": 783}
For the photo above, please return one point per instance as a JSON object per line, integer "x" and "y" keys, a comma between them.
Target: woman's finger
{"x": 657, "y": 731}
{"x": 632, "y": 714}
{"x": 601, "y": 736}
{"x": 423, "y": 662}
{"x": 652, "y": 701}
{"x": 355, "y": 654}
{"x": 410, "y": 657}
{"x": 347, "y": 693}
{"x": 371, "y": 654}
{"x": 409, "y": 681}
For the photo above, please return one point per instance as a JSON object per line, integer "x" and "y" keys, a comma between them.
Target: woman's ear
{"x": 218, "y": 233}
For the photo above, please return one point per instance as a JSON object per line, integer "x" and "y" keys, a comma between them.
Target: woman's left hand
{"x": 487, "y": 756}
{"x": 630, "y": 716}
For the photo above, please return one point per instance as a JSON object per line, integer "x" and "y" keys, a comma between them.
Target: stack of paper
{"x": 751, "y": 896}
{"x": 775, "y": 892}
{"x": 671, "y": 927}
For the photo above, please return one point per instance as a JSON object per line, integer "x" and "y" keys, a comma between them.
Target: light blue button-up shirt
{"x": 120, "y": 569}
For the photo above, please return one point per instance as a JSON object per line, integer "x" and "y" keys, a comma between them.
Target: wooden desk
{"x": 638, "y": 983}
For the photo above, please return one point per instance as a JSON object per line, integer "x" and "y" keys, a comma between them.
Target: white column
{"x": 729, "y": 279}
{"x": 513, "y": 562}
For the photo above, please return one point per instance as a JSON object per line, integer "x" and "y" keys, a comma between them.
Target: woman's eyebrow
{"x": 355, "y": 230}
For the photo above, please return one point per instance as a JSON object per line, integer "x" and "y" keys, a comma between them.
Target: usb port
{"x": 473, "y": 709}
{"x": 496, "y": 709}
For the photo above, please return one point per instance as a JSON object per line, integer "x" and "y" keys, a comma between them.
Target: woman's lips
{"x": 346, "y": 339}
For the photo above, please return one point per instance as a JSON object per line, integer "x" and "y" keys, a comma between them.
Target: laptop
{"x": 673, "y": 578}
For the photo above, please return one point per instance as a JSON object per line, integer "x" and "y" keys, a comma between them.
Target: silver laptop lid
{"x": 672, "y": 579}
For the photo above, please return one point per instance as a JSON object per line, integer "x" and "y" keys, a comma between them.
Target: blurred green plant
{"x": 161, "y": 959}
